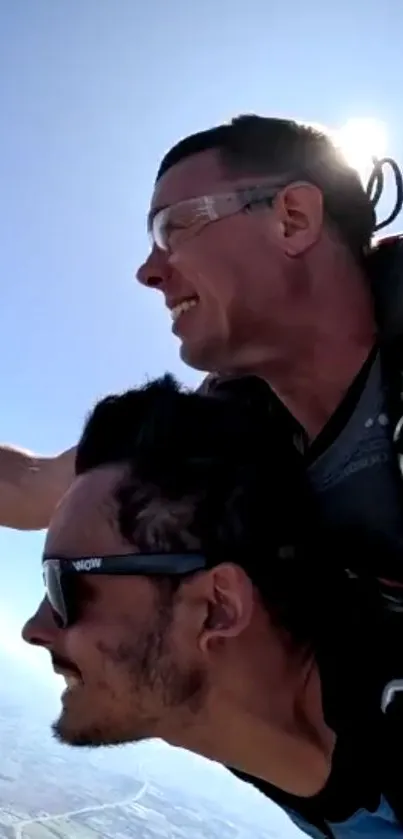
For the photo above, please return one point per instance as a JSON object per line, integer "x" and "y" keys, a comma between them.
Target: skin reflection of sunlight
{"x": 360, "y": 140}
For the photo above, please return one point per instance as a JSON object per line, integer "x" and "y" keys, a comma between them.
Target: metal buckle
{"x": 389, "y": 692}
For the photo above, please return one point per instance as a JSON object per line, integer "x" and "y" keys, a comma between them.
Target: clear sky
{"x": 92, "y": 92}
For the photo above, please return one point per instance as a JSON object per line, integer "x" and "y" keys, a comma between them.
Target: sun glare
{"x": 360, "y": 140}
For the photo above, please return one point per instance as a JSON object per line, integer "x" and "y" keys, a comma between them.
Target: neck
{"x": 313, "y": 371}
{"x": 315, "y": 384}
{"x": 285, "y": 742}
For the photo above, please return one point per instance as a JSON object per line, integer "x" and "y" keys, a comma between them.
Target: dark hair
{"x": 292, "y": 151}
{"x": 182, "y": 445}
{"x": 215, "y": 473}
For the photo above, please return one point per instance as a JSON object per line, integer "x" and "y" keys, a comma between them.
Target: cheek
{"x": 96, "y": 652}
{"x": 182, "y": 636}
{"x": 103, "y": 643}
{"x": 84, "y": 638}
{"x": 216, "y": 262}
{"x": 81, "y": 647}
{"x": 201, "y": 260}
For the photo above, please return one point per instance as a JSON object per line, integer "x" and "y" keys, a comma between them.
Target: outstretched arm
{"x": 31, "y": 486}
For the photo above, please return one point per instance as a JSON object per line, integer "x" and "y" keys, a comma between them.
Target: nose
{"x": 41, "y": 630}
{"x": 155, "y": 270}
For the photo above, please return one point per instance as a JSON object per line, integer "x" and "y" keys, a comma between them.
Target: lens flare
{"x": 360, "y": 140}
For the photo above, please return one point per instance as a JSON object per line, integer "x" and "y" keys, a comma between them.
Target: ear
{"x": 229, "y": 599}
{"x": 299, "y": 208}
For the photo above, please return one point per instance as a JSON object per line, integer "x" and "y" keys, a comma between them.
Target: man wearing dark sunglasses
{"x": 187, "y": 597}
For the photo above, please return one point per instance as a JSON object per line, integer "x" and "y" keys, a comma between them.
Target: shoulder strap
{"x": 392, "y": 757}
{"x": 384, "y": 266}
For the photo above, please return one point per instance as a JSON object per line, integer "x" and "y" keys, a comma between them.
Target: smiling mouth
{"x": 178, "y": 310}
{"x": 72, "y": 681}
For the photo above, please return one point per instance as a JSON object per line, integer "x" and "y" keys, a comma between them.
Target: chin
{"x": 203, "y": 357}
{"x": 92, "y": 733}
{"x": 190, "y": 356}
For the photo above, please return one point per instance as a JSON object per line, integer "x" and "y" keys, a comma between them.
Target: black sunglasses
{"x": 58, "y": 573}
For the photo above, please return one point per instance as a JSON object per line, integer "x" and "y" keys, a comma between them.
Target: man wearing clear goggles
{"x": 261, "y": 244}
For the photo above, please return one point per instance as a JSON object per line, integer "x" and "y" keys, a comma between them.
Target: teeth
{"x": 72, "y": 681}
{"x": 183, "y": 307}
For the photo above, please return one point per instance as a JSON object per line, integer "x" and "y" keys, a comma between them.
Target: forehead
{"x": 192, "y": 176}
{"x": 86, "y": 521}
{"x": 199, "y": 174}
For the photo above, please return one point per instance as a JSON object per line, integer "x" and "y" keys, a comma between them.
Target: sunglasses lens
{"x": 54, "y": 593}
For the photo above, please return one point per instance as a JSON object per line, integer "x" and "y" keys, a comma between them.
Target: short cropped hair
{"x": 266, "y": 146}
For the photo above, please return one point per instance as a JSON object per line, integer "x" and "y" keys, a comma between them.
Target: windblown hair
{"x": 201, "y": 469}
{"x": 216, "y": 474}
{"x": 289, "y": 150}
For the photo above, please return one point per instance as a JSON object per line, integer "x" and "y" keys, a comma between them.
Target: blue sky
{"x": 92, "y": 93}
